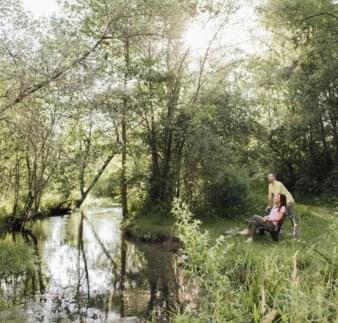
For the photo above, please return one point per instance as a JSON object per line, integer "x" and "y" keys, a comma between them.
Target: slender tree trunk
{"x": 334, "y": 128}
{"x": 16, "y": 185}
{"x": 325, "y": 147}
{"x": 179, "y": 167}
{"x": 153, "y": 142}
{"x": 168, "y": 146}
{"x": 84, "y": 161}
{"x": 94, "y": 181}
{"x": 155, "y": 173}
{"x": 124, "y": 185}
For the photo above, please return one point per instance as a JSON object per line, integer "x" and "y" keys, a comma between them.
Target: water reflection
{"x": 87, "y": 271}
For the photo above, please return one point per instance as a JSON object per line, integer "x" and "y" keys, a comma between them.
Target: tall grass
{"x": 288, "y": 281}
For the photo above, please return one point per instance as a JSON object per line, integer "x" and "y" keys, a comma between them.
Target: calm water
{"x": 86, "y": 271}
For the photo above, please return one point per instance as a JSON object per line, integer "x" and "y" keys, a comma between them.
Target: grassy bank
{"x": 313, "y": 219}
{"x": 289, "y": 281}
{"x": 293, "y": 280}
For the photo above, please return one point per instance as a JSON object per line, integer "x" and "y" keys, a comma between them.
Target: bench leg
{"x": 261, "y": 232}
{"x": 274, "y": 235}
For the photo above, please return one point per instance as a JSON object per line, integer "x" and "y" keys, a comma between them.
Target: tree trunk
{"x": 155, "y": 173}
{"x": 325, "y": 147}
{"x": 334, "y": 134}
{"x": 84, "y": 161}
{"x": 94, "y": 181}
{"x": 16, "y": 185}
{"x": 168, "y": 141}
{"x": 124, "y": 185}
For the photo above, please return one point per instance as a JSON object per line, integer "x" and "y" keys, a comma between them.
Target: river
{"x": 87, "y": 271}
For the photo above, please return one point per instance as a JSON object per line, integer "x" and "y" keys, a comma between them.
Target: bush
{"x": 331, "y": 183}
{"x": 226, "y": 194}
{"x": 308, "y": 184}
{"x": 15, "y": 258}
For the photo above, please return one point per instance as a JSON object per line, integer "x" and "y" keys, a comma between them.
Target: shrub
{"x": 15, "y": 258}
{"x": 226, "y": 194}
{"x": 331, "y": 183}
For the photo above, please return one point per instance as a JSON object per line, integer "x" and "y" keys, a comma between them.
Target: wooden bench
{"x": 275, "y": 232}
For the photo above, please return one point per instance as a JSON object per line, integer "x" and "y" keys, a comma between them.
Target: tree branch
{"x": 59, "y": 72}
{"x": 332, "y": 15}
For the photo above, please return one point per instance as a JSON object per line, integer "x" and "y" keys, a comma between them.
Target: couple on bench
{"x": 271, "y": 223}
{"x": 280, "y": 205}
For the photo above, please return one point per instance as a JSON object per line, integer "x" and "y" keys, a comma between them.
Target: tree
{"x": 302, "y": 70}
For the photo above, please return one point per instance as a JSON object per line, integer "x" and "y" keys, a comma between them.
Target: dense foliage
{"x": 107, "y": 98}
{"x": 300, "y": 72}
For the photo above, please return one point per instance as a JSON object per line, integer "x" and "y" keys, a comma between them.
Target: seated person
{"x": 269, "y": 222}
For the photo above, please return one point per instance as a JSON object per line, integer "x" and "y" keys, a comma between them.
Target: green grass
{"x": 313, "y": 218}
{"x": 246, "y": 282}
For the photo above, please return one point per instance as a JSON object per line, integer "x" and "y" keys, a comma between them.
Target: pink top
{"x": 274, "y": 215}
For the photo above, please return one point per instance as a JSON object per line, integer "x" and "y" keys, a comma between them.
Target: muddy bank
{"x": 17, "y": 222}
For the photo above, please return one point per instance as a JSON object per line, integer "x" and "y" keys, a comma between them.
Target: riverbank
{"x": 293, "y": 280}
{"x": 162, "y": 228}
{"x": 314, "y": 216}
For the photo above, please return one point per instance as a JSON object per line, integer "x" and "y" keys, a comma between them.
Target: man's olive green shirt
{"x": 278, "y": 188}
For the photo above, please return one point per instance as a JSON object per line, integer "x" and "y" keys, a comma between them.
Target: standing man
{"x": 277, "y": 187}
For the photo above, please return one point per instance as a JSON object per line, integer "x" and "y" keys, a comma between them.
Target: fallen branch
{"x": 94, "y": 181}
{"x": 16, "y": 222}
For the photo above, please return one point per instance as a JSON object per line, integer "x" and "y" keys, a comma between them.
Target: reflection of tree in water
{"x": 123, "y": 272}
{"x": 162, "y": 281}
{"x": 139, "y": 269}
{"x": 81, "y": 251}
{"x": 83, "y": 271}
{"x": 16, "y": 288}
{"x": 163, "y": 285}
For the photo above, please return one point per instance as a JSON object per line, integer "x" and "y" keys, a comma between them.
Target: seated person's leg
{"x": 252, "y": 229}
{"x": 259, "y": 222}
{"x": 255, "y": 222}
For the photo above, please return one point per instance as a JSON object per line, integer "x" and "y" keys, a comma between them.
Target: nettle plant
{"x": 206, "y": 265}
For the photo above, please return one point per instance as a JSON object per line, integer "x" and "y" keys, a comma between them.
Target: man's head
{"x": 271, "y": 177}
